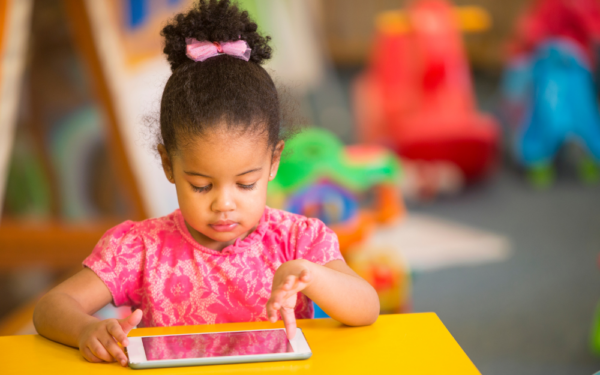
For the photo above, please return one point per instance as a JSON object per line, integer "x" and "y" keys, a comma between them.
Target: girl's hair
{"x": 222, "y": 91}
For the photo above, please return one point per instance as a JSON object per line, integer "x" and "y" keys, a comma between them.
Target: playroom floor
{"x": 530, "y": 314}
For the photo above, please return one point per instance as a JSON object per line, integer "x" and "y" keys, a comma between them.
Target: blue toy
{"x": 551, "y": 100}
{"x": 328, "y": 202}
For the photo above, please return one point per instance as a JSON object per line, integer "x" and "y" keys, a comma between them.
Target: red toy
{"x": 576, "y": 20}
{"x": 416, "y": 96}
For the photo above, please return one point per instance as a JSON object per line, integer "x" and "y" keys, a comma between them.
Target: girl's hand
{"x": 290, "y": 278}
{"x": 98, "y": 340}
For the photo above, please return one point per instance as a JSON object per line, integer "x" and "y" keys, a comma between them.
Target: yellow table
{"x": 395, "y": 344}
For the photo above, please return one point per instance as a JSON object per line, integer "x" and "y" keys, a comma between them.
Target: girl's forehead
{"x": 223, "y": 154}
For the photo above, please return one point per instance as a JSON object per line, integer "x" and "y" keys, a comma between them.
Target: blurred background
{"x": 453, "y": 146}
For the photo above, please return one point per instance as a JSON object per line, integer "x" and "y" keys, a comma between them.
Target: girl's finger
{"x": 278, "y": 301}
{"x": 289, "y": 282}
{"x": 299, "y": 286}
{"x": 271, "y": 312}
{"x": 289, "y": 321}
{"x": 278, "y": 296}
{"x": 99, "y": 351}
{"x": 284, "y": 299}
{"x": 114, "y": 329}
{"x": 116, "y": 352}
{"x": 304, "y": 276}
{"x": 282, "y": 294}
{"x": 131, "y": 321}
{"x": 89, "y": 356}
{"x": 273, "y": 316}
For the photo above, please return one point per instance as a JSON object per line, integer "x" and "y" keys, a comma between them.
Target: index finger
{"x": 289, "y": 321}
{"x": 115, "y": 351}
{"x": 117, "y": 332}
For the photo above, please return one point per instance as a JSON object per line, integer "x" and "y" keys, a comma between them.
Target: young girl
{"x": 223, "y": 256}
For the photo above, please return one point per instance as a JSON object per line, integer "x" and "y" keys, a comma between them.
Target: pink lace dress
{"x": 157, "y": 266}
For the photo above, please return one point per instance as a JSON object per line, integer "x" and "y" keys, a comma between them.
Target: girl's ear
{"x": 275, "y": 159}
{"x": 166, "y": 162}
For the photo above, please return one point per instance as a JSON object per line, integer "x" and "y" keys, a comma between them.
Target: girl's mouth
{"x": 224, "y": 225}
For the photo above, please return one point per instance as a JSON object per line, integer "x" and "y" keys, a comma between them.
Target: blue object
{"x": 319, "y": 313}
{"x": 137, "y": 11}
{"x": 328, "y": 202}
{"x": 555, "y": 89}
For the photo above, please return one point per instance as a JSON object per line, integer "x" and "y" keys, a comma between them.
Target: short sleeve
{"x": 117, "y": 260}
{"x": 316, "y": 242}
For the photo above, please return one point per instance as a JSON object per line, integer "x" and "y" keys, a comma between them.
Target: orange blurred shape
{"x": 389, "y": 205}
{"x": 387, "y": 272}
{"x": 355, "y": 231}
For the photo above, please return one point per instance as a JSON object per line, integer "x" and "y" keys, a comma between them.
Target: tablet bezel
{"x": 137, "y": 354}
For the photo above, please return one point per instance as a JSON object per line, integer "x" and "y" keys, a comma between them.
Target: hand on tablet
{"x": 98, "y": 341}
{"x": 290, "y": 279}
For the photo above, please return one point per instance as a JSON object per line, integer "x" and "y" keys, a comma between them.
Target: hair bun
{"x": 215, "y": 21}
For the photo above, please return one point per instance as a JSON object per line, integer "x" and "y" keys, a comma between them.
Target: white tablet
{"x": 216, "y": 348}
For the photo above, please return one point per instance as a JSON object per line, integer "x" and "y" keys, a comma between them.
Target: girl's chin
{"x": 221, "y": 236}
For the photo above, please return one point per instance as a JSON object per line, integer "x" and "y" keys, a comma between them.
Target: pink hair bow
{"x": 200, "y": 51}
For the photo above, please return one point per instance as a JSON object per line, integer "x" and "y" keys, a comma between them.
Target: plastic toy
{"x": 387, "y": 272}
{"x": 325, "y": 201}
{"x": 352, "y": 189}
{"x": 416, "y": 95}
{"x": 316, "y": 154}
{"x": 320, "y": 177}
{"x": 337, "y": 208}
{"x": 548, "y": 87}
{"x": 575, "y": 20}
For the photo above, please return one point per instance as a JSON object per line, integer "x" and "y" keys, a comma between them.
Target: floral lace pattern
{"x": 157, "y": 266}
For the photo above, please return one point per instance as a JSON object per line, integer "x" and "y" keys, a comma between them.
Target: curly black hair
{"x": 222, "y": 90}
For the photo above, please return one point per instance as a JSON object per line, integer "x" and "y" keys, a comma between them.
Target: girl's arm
{"x": 338, "y": 290}
{"x": 63, "y": 315}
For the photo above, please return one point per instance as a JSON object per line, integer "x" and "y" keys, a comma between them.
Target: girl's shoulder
{"x": 141, "y": 231}
{"x": 302, "y": 237}
{"x": 275, "y": 217}
{"x": 280, "y": 220}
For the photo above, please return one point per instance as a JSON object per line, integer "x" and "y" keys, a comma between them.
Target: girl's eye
{"x": 201, "y": 189}
{"x": 247, "y": 187}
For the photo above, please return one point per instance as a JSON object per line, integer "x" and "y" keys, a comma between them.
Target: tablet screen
{"x": 220, "y": 344}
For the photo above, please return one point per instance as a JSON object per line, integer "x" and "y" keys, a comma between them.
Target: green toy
{"x": 316, "y": 154}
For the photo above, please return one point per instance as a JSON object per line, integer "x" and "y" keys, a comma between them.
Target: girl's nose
{"x": 223, "y": 202}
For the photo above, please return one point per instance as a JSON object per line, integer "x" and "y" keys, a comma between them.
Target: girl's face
{"x": 221, "y": 183}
